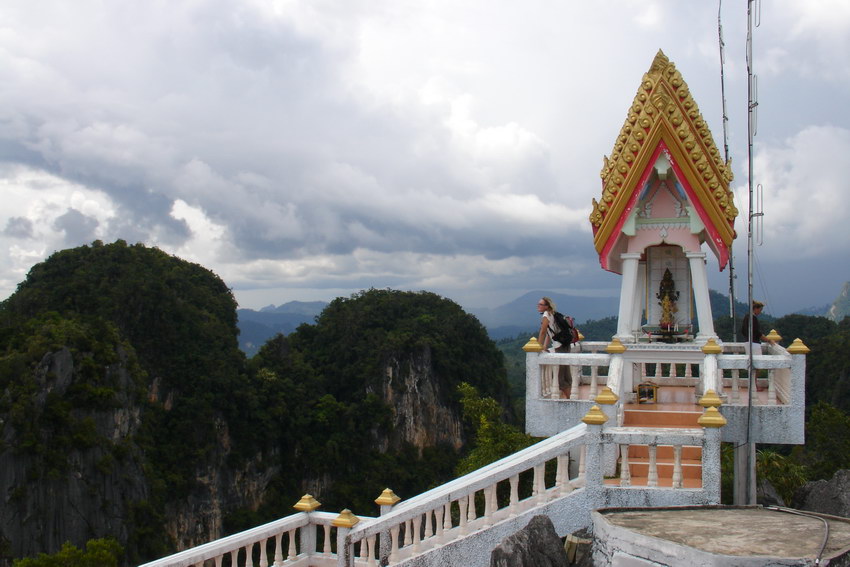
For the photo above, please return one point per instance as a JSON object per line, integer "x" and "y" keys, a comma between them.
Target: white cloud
{"x": 308, "y": 145}
{"x": 804, "y": 194}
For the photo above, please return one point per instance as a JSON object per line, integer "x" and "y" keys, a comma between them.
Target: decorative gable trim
{"x": 664, "y": 117}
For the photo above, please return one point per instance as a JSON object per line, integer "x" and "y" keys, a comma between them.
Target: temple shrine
{"x": 633, "y": 450}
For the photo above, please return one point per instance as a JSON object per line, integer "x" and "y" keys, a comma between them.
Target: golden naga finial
{"x": 798, "y": 347}
{"x": 345, "y": 520}
{"x": 387, "y": 498}
{"x": 595, "y": 416}
{"x": 710, "y": 399}
{"x": 712, "y": 418}
{"x": 307, "y": 504}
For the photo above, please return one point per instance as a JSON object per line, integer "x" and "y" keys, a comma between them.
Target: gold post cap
{"x": 595, "y": 416}
{"x": 532, "y": 345}
{"x": 387, "y": 498}
{"x": 615, "y": 347}
{"x": 307, "y": 504}
{"x": 773, "y": 336}
{"x": 580, "y": 336}
{"x": 798, "y": 347}
{"x": 606, "y": 396}
{"x": 711, "y": 347}
{"x": 712, "y": 418}
{"x": 345, "y": 520}
{"x": 710, "y": 399}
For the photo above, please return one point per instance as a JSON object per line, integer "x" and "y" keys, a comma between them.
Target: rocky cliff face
{"x": 72, "y": 471}
{"x": 78, "y": 484}
{"x": 840, "y": 308}
{"x": 420, "y": 415}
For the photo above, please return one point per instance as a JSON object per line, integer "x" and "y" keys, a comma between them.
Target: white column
{"x": 640, "y": 293}
{"x": 628, "y": 296}
{"x": 699, "y": 280}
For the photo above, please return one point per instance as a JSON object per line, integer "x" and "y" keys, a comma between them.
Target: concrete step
{"x": 660, "y": 418}
{"x": 690, "y": 469}
{"x": 662, "y": 482}
{"x": 664, "y": 452}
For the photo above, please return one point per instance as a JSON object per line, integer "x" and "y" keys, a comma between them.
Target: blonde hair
{"x": 549, "y": 302}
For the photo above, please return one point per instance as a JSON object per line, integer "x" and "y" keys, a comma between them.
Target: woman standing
{"x": 548, "y": 328}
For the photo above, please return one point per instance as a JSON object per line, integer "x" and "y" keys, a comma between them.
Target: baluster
{"x": 447, "y": 516}
{"x": 394, "y": 548}
{"x": 264, "y": 561}
{"x": 539, "y": 490}
{"x": 218, "y": 560}
{"x": 657, "y": 370}
{"x": 293, "y": 551}
{"x": 677, "y": 466}
{"x": 488, "y": 504}
{"x": 233, "y": 557}
{"x": 429, "y": 530}
{"x": 514, "y": 481}
{"x": 594, "y": 382}
{"x": 575, "y": 381}
{"x": 625, "y": 467}
{"x": 643, "y": 374}
{"x": 463, "y": 504}
{"x": 652, "y": 478}
{"x": 417, "y": 525}
{"x": 689, "y": 370}
{"x": 438, "y": 516}
{"x": 408, "y": 533}
{"x": 771, "y": 387}
{"x": 562, "y": 475}
{"x": 581, "y": 458}
{"x": 472, "y": 513}
{"x": 370, "y": 550}
{"x": 555, "y": 387}
{"x": 735, "y": 385}
{"x": 326, "y": 546}
{"x": 249, "y": 555}
{"x": 278, "y": 550}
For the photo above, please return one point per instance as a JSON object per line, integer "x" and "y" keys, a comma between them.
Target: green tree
{"x": 98, "y": 553}
{"x": 782, "y": 471}
{"x": 494, "y": 439}
{"x": 827, "y": 447}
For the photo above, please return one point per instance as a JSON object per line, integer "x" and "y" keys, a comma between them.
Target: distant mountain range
{"x": 521, "y": 314}
{"x": 257, "y": 327}
{"x": 508, "y": 320}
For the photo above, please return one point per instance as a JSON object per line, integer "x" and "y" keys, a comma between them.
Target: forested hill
{"x": 127, "y": 409}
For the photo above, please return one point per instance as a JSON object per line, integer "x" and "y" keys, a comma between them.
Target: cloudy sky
{"x": 308, "y": 149}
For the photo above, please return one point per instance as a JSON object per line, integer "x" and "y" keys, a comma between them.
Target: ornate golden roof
{"x": 663, "y": 110}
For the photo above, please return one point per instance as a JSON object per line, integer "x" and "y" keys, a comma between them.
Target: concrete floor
{"x": 737, "y": 531}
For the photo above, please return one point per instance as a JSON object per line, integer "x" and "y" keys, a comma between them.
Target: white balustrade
{"x": 261, "y": 542}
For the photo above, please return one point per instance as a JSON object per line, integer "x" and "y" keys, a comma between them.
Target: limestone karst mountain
{"x": 128, "y": 410}
{"x": 840, "y": 308}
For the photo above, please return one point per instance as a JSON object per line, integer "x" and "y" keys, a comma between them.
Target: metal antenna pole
{"x": 726, "y": 159}
{"x": 751, "y": 105}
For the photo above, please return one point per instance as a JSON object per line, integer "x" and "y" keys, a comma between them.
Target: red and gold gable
{"x": 664, "y": 117}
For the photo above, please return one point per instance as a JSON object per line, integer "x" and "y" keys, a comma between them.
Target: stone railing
{"x": 288, "y": 541}
{"x": 772, "y": 371}
{"x": 653, "y": 440}
{"x": 472, "y": 513}
{"x": 589, "y": 365}
{"x": 475, "y": 501}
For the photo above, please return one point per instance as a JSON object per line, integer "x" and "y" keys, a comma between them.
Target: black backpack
{"x": 568, "y": 334}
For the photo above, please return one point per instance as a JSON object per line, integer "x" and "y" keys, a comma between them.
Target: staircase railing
{"x": 472, "y": 502}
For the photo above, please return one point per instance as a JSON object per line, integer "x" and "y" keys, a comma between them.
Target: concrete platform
{"x": 718, "y": 535}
